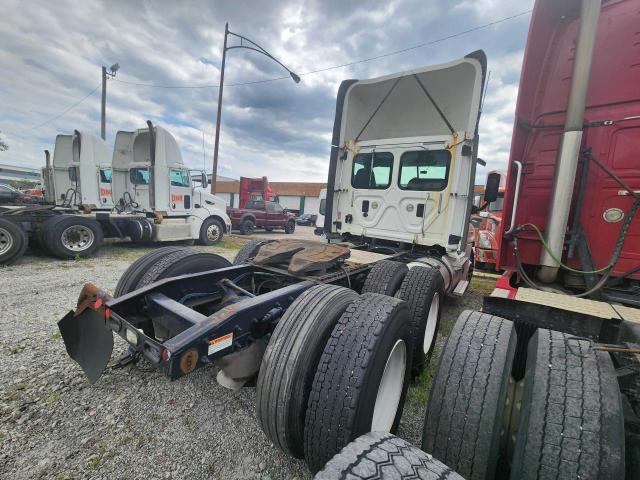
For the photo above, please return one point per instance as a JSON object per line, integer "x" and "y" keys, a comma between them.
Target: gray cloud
{"x": 51, "y": 52}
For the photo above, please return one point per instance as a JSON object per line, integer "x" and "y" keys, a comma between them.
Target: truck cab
{"x": 151, "y": 177}
{"x": 80, "y": 175}
{"x": 403, "y": 171}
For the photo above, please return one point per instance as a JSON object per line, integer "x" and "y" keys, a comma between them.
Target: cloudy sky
{"x": 51, "y": 54}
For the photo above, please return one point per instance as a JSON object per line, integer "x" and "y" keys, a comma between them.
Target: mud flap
{"x": 88, "y": 341}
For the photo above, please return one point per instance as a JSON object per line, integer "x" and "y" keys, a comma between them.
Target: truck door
{"x": 275, "y": 214}
{"x": 104, "y": 186}
{"x": 179, "y": 190}
{"x": 138, "y": 187}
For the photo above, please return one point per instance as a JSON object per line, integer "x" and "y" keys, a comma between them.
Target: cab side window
{"x": 424, "y": 170}
{"x": 372, "y": 170}
{"x": 105, "y": 175}
{"x": 275, "y": 207}
{"x": 179, "y": 178}
{"x": 139, "y": 176}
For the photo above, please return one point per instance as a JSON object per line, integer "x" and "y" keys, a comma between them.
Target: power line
{"x": 348, "y": 64}
{"x": 268, "y": 80}
{"x": 64, "y": 112}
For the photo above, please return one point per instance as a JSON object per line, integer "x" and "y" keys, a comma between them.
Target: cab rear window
{"x": 424, "y": 170}
{"x": 372, "y": 170}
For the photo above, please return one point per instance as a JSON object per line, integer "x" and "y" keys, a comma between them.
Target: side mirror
{"x": 492, "y": 187}
{"x": 204, "y": 180}
{"x": 481, "y": 162}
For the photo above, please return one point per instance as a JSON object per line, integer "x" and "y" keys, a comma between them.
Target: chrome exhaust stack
{"x": 569, "y": 151}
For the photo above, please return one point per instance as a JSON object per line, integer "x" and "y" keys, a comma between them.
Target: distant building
{"x": 16, "y": 173}
{"x": 300, "y": 196}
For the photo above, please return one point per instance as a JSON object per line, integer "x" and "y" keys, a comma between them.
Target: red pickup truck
{"x": 261, "y": 214}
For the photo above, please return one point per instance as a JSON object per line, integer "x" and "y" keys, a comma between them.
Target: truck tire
{"x": 290, "y": 227}
{"x": 290, "y": 360}
{"x": 385, "y": 278}
{"x": 211, "y": 231}
{"x": 465, "y": 412}
{"x": 249, "y": 251}
{"x": 69, "y": 236}
{"x": 139, "y": 230}
{"x": 571, "y": 424}
{"x": 382, "y": 456}
{"x": 423, "y": 290}
{"x": 129, "y": 280}
{"x": 247, "y": 226}
{"x": 181, "y": 262}
{"x": 362, "y": 377}
{"x": 13, "y": 241}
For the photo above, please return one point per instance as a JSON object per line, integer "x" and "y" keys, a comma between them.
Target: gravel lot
{"x": 132, "y": 423}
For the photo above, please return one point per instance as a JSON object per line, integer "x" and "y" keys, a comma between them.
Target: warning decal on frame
{"x": 220, "y": 343}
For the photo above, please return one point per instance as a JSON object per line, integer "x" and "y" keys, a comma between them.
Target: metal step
{"x": 461, "y": 288}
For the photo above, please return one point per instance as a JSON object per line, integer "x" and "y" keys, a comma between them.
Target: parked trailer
{"x": 321, "y": 323}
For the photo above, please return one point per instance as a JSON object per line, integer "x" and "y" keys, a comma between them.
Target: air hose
{"x": 606, "y": 269}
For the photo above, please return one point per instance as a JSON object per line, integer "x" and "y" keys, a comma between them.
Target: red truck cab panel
{"x": 612, "y": 132}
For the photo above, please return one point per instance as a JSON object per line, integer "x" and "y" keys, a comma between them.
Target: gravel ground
{"x": 132, "y": 423}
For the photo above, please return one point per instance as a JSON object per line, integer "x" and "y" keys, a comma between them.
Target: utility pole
{"x": 250, "y": 45}
{"x": 103, "y": 115}
{"x": 214, "y": 173}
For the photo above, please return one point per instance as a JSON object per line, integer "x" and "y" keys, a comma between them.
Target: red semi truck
{"x": 548, "y": 374}
{"x": 486, "y": 225}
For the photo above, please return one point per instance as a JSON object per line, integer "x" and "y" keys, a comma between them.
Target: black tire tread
{"x": 203, "y": 239}
{"x": 19, "y": 237}
{"x": 163, "y": 267}
{"x": 290, "y": 361}
{"x": 380, "y": 456}
{"x": 244, "y": 226}
{"x": 385, "y": 277}
{"x": 53, "y": 230}
{"x": 417, "y": 289}
{"x": 340, "y": 376}
{"x": 129, "y": 280}
{"x": 290, "y": 226}
{"x": 248, "y": 251}
{"x": 572, "y": 424}
{"x": 465, "y": 410}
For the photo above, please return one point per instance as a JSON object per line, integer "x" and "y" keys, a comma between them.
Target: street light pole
{"x": 216, "y": 142}
{"x": 103, "y": 115}
{"x": 256, "y": 48}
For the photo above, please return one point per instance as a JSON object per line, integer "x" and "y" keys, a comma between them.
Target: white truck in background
{"x": 145, "y": 193}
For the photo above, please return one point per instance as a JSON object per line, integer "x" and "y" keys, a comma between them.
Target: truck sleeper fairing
{"x": 405, "y": 162}
{"x": 80, "y": 173}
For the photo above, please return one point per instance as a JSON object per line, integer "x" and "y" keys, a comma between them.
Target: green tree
{"x": 3, "y": 145}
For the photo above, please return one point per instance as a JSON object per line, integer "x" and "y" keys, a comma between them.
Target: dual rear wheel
{"x": 563, "y": 419}
{"x": 336, "y": 367}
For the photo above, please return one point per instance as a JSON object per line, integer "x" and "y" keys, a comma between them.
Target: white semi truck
{"x": 145, "y": 193}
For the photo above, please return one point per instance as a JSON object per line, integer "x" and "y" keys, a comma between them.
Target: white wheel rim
{"x": 213, "y": 232}
{"x": 432, "y": 323}
{"x": 77, "y": 238}
{"x": 6, "y": 241}
{"x": 390, "y": 389}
